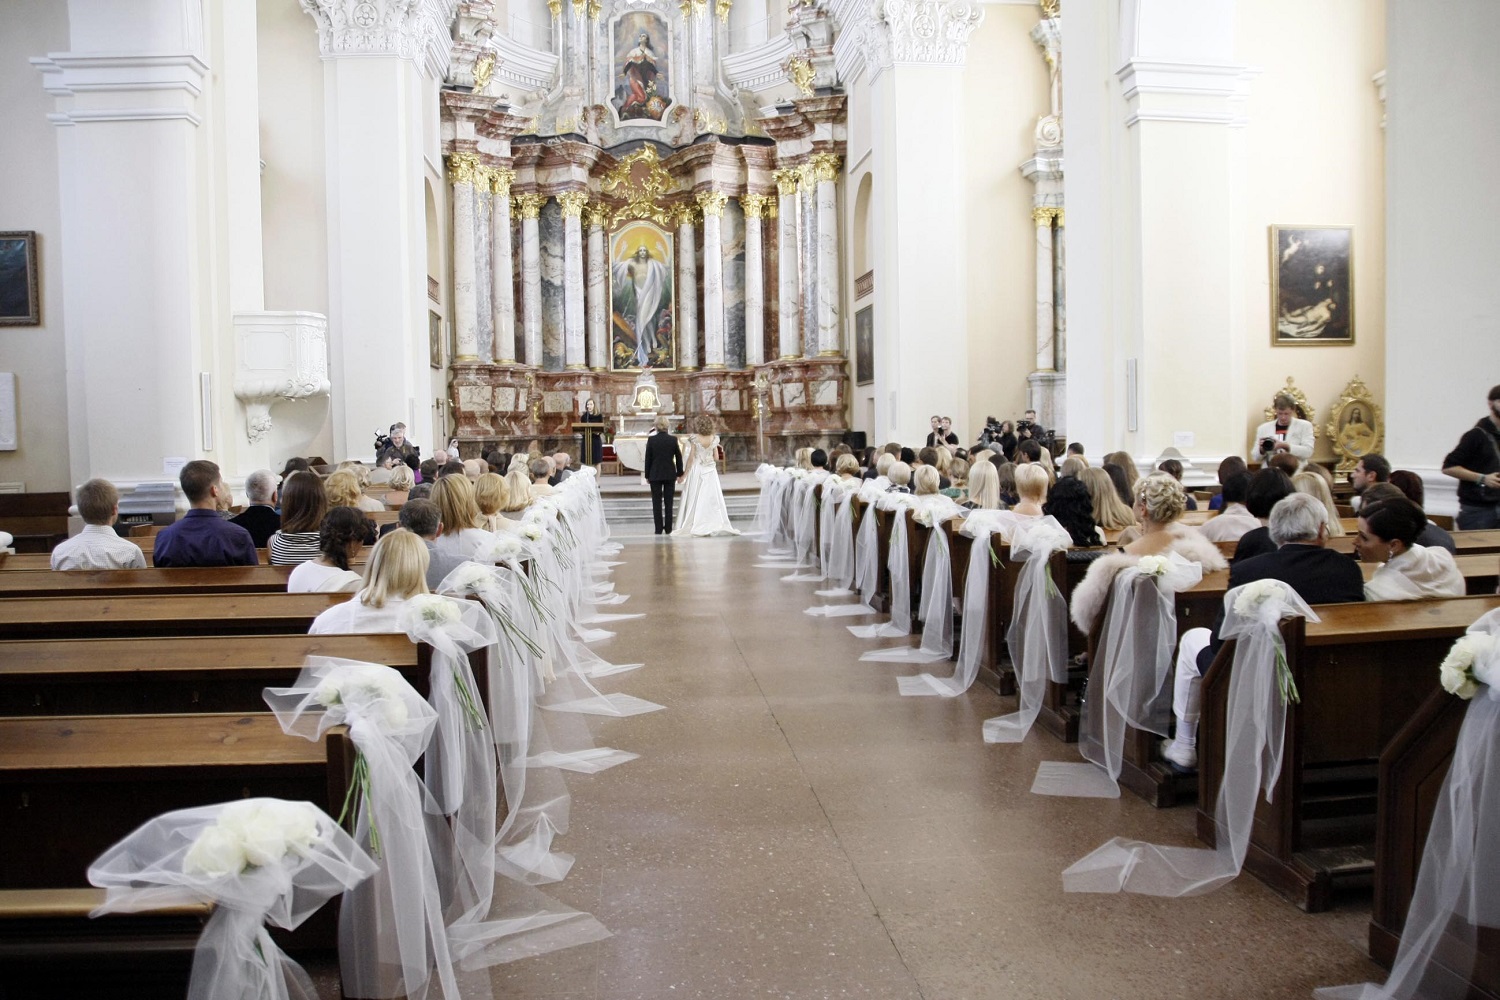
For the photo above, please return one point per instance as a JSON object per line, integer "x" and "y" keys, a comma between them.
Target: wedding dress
{"x": 703, "y": 511}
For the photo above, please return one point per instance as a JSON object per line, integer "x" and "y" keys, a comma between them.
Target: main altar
{"x": 637, "y": 215}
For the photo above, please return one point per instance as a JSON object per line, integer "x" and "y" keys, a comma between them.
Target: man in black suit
{"x": 1299, "y": 528}
{"x": 259, "y": 517}
{"x": 663, "y": 472}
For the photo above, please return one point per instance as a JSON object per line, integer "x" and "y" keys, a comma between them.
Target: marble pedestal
{"x": 1047, "y": 394}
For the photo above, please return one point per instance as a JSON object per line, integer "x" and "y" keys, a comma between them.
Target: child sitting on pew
{"x": 396, "y": 573}
{"x": 340, "y": 537}
{"x": 97, "y": 546}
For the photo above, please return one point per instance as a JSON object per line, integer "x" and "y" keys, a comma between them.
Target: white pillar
{"x": 807, "y": 257}
{"x": 755, "y": 207}
{"x": 530, "y": 208}
{"x": 462, "y": 174}
{"x": 687, "y": 290}
{"x": 502, "y": 268}
{"x": 712, "y": 203}
{"x": 572, "y": 203}
{"x": 787, "y": 291}
{"x": 825, "y": 171}
{"x": 1045, "y": 347}
{"x": 598, "y": 291}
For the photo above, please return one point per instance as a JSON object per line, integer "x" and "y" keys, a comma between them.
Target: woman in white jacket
{"x": 1287, "y": 432}
{"x": 1388, "y": 533}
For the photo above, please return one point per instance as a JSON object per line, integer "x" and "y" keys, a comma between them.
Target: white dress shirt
{"x": 312, "y": 577}
{"x": 1232, "y": 522}
{"x": 354, "y": 616}
{"x": 98, "y": 547}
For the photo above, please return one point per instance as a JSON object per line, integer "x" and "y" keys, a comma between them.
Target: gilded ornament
{"x": 712, "y": 202}
{"x": 529, "y": 206}
{"x": 555, "y": 6}
{"x": 596, "y": 215}
{"x": 578, "y": 6}
{"x": 1050, "y": 8}
{"x": 756, "y": 205}
{"x": 703, "y": 121}
{"x": 572, "y": 203}
{"x": 1045, "y": 215}
{"x": 501, "y": 179}
{"x": 691, "y": 7}
{"x": 823, "y": 167}
{"x": 722, "y": 8}
{"x": 1355, "y": 426}
{"x": 483, "y": 67}
{"x": 786, "y": 180}
{"x": 643, "y": 198}
{"x": 463, "y": 168}
{"x": 801, "y": 73}
{"x": 594, "y": 7}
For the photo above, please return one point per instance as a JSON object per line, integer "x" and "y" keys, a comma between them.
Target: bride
{"x": 702, "y": 511}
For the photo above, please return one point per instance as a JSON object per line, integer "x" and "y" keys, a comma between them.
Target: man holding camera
{"x": 1286, "y": 433}
{"x": 941, "y": 433}
{"x": 1475, "y": 463}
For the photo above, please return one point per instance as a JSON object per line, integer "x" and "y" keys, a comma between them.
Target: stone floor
{"x": 795, "y": 828}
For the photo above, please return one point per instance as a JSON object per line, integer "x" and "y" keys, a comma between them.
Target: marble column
{"x": 807, "y": 256}
{"x": 1045, "y": 356}
{"x": 787, "y": 291}
{"x": 572, "y": 203}
{"x": 687, "y": 290}
{"x": 598, "y": 290}
{"x": 755, "y": 207}
{"x": 825, "y": 171}
{"x": 1060, "y": 293}
{"x": 530, "y": 208}
{"x": 502, "y": 281}
{"x": 462, "y": 171}
{"x": 712, "y": 203}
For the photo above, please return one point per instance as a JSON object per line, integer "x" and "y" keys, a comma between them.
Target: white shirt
{"x": 1231, "y": 523}
{"x": 1299, "y": 439}
{"x": 98, "y": 547}
{"x": 353, "y": 616}
{"x": 370, "y": 505}
{"x": 460, "y": 545}
{"x": 314, "y": 578}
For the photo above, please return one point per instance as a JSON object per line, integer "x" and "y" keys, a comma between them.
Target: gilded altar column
{"x": 755, "y": 206}
{"x": 598, "y": 290}
{"x": 787, "y": 291}
{"x": 530, "y": 208}
{"x": 572, "y": 203}
{"x": 463, "y": 171}
{"x": 687, "y": 290}
{"x": 712, "y": 203}
{"x": 825, "y": 172}
{"x": 502, "y": 264}
{"x": 1043, "y": 216}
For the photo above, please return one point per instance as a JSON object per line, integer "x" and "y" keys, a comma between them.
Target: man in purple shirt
{"x": 202, "y": 537}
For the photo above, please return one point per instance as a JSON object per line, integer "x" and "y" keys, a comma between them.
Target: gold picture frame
{"x": 1356, "y": 427}
{"x": 20, "y": 291}
{"x": 1312, "y": 286}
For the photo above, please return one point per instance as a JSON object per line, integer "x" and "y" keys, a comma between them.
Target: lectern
{"x": 591, "y": 433}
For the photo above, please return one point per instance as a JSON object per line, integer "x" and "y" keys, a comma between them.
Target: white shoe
{"x": 1184, "y": 757}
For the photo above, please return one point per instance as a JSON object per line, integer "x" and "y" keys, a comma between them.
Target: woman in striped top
{"x": 303, "y": 504}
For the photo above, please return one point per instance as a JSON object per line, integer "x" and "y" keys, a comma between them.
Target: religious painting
{"x": 641, "y": 91}
{"x": 434, "y": 339}
{"x": 20, "y": 302}
{"x": 1354, "y": 425}
{"x": 864, "y": 346}
{"x": 642, "y": 314}
{"x": 1312, "y": 285}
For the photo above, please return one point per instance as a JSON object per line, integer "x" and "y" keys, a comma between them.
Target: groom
{"x": 664, "y": 472}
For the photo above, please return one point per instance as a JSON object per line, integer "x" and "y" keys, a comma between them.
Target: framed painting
{"x": 642, "y": 303}
{"x": 1312, "y": 285}
{"x": 640, "y": 77}
{"x": 434, "y": 339}
{"x": 864, "y": 346}
{"x": 20, "y": 301}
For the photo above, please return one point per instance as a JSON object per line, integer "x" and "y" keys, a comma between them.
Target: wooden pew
{"x": 33, "y": 561}
{"x": 1466, "y": 542}
{"x": 126, "y": 582}
{"x": 1412, "y": 770}
{"x": 1362, "y": 672}
{"x": 1062, "y": 703}
{"x": 120, "y": 617}
{"x": 38, "y": 521}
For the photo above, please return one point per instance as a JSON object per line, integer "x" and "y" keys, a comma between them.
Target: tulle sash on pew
{"x": 1038, "y": 634}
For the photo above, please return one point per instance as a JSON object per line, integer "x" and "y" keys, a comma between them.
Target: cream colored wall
{"x": 1005, "y": 90}
{"x": 29, "y": 200}
{"x": 861, "y": 413}
{"x": 1315, "y": 156}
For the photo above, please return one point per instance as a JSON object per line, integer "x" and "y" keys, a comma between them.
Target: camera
{"x": 1267, "y": 445}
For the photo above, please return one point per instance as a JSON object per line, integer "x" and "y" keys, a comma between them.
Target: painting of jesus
{"x": 641, "y": 321}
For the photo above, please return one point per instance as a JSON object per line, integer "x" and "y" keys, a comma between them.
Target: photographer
{"x": 1286, "y": 433}
{"x": 395, "y": 442}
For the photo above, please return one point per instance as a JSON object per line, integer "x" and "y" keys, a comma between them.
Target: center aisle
{"x": 796, "y": 828}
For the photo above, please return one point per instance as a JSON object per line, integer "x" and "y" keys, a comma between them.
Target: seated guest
{"x": 1284, "y": 434}
{"x": 908, "y": 456}
{"x": 492, "y": 497}
{"x": 1234, "y": 521}
{"x": 361, "y": 472}
{"x": 1075, "y": 450}
{"x": 1072, "y": 467}
{"x": 867, "y": 464}
{"x": 929, "y": 457}
{"x": 1368, "y": 471}
{"x": 1231, "y": 466}
{"x": 925, "y": 481}
{"x": 1031, "y": 489}
{"x": 340, "y": 537}
{"x": 540, "y": 471}
{"x": 847, "y": 467}
{"x": 1410, "y": 484}
{"x": 958, "y": 478}
{"x": 1284, "y": 463}
{"x": 1388, "y": 533}
{"x": 259, "y": 516}
{"x": 1122, "y": 461}
{"x": 983, "y": 487}
{"x": 303, "y": 504}
{"x": 1006, "y": 474}
{"x": 427, "y": 471}
{"x": 474, "y": 468}
{"x": 343, "y": 491}
{"x": 1173, "y": 468}
{"x": 293, "y": 465}
{"x": 900, "y": 477}
{"x": 461, "y": 534}
{"x": 1267, "y": 488}
{"x": 1028, "y": 451}
{"x": 422, "y": 518}
{"x": 1045, "y": 461}
{"x": 421, "y": 491}
{"x": 1299, "y": 531}
{"x": 1159, "y": 504}
{"x": 802, "y": 459}
{"x": 451, "y": 468}
{"x": 203, "y": 537}
{"x": 562, "y": 460}
{"x": 97, "y": 546}
{"x": 517, "y": 487}
{"x": 819, "y": 463}
{"x": 1070, "y": 503}
{"x": 397, "y": 572}
{"x": 400, "y": 484}
{"x": 1121, "y": 481}
{"x": 1110, "y": 513}
{"x": 882, "y": 478}
{"x": 980, "y": 455}
{"x": 1315, "y": 485}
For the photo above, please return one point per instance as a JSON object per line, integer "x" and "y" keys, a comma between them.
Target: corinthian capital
{"x": 930, "y": 32}
{"x": 376, "y": 27}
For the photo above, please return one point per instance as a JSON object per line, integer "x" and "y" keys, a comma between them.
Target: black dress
{"x": 597, "y": 451}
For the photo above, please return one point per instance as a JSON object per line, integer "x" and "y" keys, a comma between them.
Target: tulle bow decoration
{"x": 258, "y": 861}
{"x": 1038, "y": 635}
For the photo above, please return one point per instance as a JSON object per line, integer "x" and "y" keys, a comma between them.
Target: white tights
{"x": 1187, "y": 685}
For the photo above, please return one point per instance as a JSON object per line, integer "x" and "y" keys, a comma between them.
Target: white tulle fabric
{"x": 236, "y": 958}
{"x": 392, "y": 938}
{"x": 1255, "y": 730}
{"x": 760, "y": 525}
{"x": 804, "y": 508}
{"x": 1454, "y": 897}
{"x": 1038, "y": 634}
{"x": 934, "y": 607}
{"x": 898, "y": 562}
{"x": 1131, "y": 687}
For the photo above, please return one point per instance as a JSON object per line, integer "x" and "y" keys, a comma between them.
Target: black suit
{"x": 1255, "y": 542}
{"x": 663, "y": 467}
{"x": 1318, "y": 575}
{"x": 260, "y": 520}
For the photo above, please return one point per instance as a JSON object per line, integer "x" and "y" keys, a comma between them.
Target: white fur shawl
{"x": 1089, "y": 595}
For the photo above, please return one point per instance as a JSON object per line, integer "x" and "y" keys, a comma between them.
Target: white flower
{"x": 328, "y": 694}
{"x": 923, "y": 517}
{"x": 1253, "y": 595}
{"x": 368, "y": 690}
{"x": 532, "y": 531}
{"x": 431, "y": 609}
{"x": 6, "y": 539}
{"x": 1154, "y": 565}
{"x": 469, "y": 577}
{"x": 268, "y": 830}
{"x": 504, "y": 547}
{"x": 216, "y": 853}
{"x": 1462, "y": 673}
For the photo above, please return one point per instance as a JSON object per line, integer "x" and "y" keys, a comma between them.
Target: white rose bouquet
{"x": 531, "y": 531}
{"x": 253, "y": 833}
{"x": 1157, "y": 566}
{"x": 1470, "y": 663}
{"x": 1253, "y": 601}
{"x": 1253, "y": 596}
{"x": 504, "y": 547}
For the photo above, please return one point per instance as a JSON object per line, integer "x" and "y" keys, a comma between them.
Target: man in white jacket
{"x": 1287, "y": 432}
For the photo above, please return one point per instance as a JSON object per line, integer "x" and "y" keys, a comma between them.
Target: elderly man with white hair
{"x": 260, "y": 517}
{"x": 1299, "y": 527}
{"x": 561, "y": 460}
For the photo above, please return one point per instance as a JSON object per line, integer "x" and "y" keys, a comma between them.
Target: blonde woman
{"x": 945, "y": 461}
{"x": 1031, "y": 486}
{"x": 703, "y": 512}
{"x": 400, "y": 484}
{"x": 1109, "y": 513}
{"x": 1315, "y": 485}
{"x": 462, "y": 532}
{"x": 925, "y": 481}
{"x": 396, "y": 573}
{"x": 804, "y": 459}
{"x": 492, "y": 496}
{"x": 1072, "y": 466}
{"x": 343, "y": 491}
{"x": 1127, "y": 466}
{"x": 847, "y": 467}
{"x": 1047, "y": 464}
{"x": 518, "y": 487}
{"x": 984, "y": 487}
